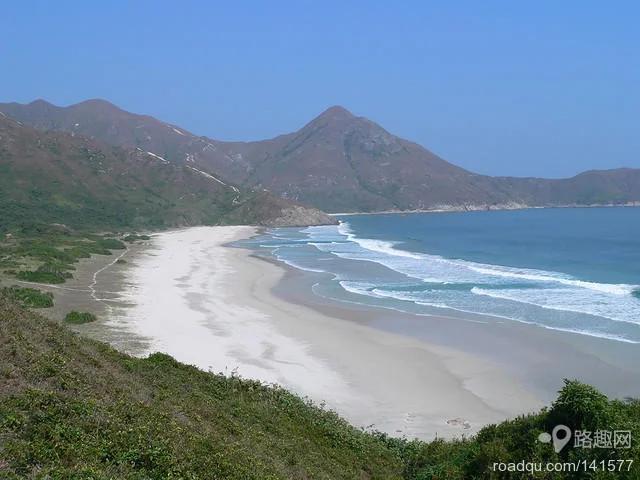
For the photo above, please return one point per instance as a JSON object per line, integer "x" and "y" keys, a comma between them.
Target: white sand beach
{"x": 212, "y": 306}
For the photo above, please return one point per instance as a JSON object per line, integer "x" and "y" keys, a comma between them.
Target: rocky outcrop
{"x": 297, "y": 216}
{"x": 265, "y": 209}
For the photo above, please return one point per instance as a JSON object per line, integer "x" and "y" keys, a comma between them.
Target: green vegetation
{"x": 28, "y": 297}
{"x": 48, "y": 253}
{"x": 47, "y": 273}
{"x": 111, "y": 244}
{"x": 51, "y": 177}
{"x": 71, "y": 407}
{"x": 578, "y": 406}
{"x": 78, "y": 318}
{"x": 54, "y": 179}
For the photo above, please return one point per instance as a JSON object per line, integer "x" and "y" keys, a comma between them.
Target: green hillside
{"x": 74, "y": 408}
{"x": 56, "y": 177}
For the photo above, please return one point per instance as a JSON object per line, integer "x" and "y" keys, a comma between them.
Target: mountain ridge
{"x": 338, "y": 162}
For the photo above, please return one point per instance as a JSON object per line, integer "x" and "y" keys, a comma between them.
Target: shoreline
{"x": 218, "y": 312}
{"x": 188, "y": 293}
{"x": 539, "y": 357}
{"x": 485, "y": 208}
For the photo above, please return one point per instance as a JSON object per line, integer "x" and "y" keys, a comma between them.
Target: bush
{"x": 580, "y": 407}
{"x": 133, "y": 237}
{"x": 111, "y": 244}
{"x": 78, "y": 318}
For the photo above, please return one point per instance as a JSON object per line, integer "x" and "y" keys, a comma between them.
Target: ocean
{"x": 568, "y": 269}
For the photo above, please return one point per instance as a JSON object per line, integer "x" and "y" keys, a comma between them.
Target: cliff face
{"x": 338, "y": 162}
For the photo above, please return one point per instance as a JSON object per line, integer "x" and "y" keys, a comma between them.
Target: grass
{"x": 74, "y": 408}
{"x": 28, "y": 297}
{"x": 78, "y": 318}
{"x": 46, "y": 273}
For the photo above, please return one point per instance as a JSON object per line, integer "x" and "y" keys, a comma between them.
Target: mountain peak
{"x": 336, "y": 111}
{"x": 39, "y": 102}
{"x": 97, "y": 102}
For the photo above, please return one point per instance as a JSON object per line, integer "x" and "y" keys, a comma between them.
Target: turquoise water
{"x": 575, "y": 270}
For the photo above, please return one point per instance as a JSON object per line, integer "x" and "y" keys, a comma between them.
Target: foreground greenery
{"x": 74, "y": 408}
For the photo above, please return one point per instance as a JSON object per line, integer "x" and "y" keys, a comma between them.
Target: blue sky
{"x": 545, "y": 88}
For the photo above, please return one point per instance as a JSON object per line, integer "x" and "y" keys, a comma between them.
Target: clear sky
{"x": 545, "y": 88}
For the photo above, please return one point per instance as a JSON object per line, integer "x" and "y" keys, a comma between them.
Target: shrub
{"x": 580, "y": 407}
{"x": 78, "y": 318}
{"x": 133, "y": 237}
{"x": 111, "y": 244}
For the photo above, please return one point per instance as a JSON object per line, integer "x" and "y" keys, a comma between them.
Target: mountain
{"x": 338, "y": 162}
{"x": 103, "y": 121}
{"x": 344, "y": 163}
{"x": 66, "y": 178}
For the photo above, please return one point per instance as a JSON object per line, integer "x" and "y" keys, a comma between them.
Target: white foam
{"x": 381, "y": 246}
{"x": 552, "y": 277}
{"x": 300, "y": 267}
{"x": 570, "y": 300}
{"x": 549, "y": 290}
{"x": 486, "y": 269}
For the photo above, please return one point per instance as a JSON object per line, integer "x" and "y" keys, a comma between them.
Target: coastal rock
{"x": 268, "y": 210}
{"x": 297, "y": 215}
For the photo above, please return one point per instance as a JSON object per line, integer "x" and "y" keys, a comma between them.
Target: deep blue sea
{"x": 571, "y": 269}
